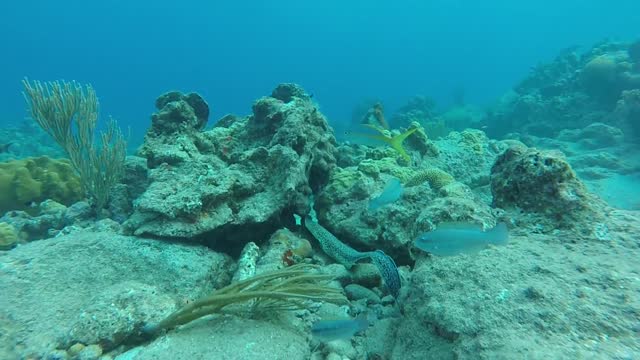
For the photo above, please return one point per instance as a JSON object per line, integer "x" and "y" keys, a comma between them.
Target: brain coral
{"x": 35, "y": 180}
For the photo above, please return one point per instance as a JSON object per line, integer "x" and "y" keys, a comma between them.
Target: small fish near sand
{"x": 461, "y": 238}
{"x": 4, "y": 148}
{"x": 330, "y": 330}
{"x": 392, "y": 192}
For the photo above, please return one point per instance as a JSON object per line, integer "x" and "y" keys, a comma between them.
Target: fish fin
{"x": 396, "y": 143}
{"x": 377, "y": 128}
{"x": 501, "y": 234}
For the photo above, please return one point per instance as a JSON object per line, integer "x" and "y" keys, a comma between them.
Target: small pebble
{"x": 91, "y": 352}
{"x": 388, "y": 300}
{"x": 357, "y": 292}
{"x": 366, "y": 275}
{"x": 58, "y": 355}
{"x": 75, "y": 349}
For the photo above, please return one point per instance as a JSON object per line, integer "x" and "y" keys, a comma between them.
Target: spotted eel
{"x": 347, "y": 256}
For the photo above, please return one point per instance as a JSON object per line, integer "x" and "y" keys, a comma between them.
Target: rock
{"x": 48, "y": 285}
{"x": 58, "y": 355}
{"x": 595, "y": 136}
{"x": 340, "y": 349}
{"x": 340, "y": 273}
{"x": 505, "y": 299}
{"x": 221, "y": 182}
{"x": 176, "y": 108}
{"x": 91, "y": 352}
{"x": 365, "y": 274}
{"x": 358, "y": 292}
{"x": 380, "y": 338}
{"x": 226, "y": 337}
{"x": 287, "y": 91}
{"x": 247, "y": 262}
{"x": 342, "y": 206}
{"x": 543, "y": 183}
{"x": 34, "y": 227}
{"x": 117, "y": 312}
{"x": 78, "y": 212}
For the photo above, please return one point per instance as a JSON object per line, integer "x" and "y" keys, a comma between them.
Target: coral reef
{"x": 342, "y": 206}
{"x": 571, "y": 92}
{"x": 562, "y": 286}
{"x": 417, "y": 108}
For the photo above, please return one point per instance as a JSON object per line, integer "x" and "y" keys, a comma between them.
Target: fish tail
{"x": 500, "y": 234}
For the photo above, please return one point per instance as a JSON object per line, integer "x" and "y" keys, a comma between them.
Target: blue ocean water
{"x": 342, "y": 52}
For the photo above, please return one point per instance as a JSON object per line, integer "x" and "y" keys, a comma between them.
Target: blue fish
{"x": 392, "y": 192}
{"x": 455, "y": 239}
{"x": 329, "y": 330}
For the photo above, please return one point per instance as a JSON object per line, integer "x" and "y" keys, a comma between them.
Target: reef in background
{"x": 566, "y": 280}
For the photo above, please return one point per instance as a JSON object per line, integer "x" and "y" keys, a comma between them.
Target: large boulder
{"x": 543, "y": 185}
{"x": 240, "y": 179}
{"x": 96, "y": 289}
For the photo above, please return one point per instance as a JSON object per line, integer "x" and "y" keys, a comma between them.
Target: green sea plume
{"x": 285, "y": 289}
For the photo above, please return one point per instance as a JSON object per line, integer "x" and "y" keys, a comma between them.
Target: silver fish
{"x": 329, "y": 330}
{"x": 455, "y": 239}
{"x": 392, "y": 192}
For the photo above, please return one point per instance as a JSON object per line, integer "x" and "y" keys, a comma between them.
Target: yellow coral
{"x": 35, "y": 180}
{"x": 8, "y": 236}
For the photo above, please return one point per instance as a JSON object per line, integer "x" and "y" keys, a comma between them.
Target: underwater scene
{"x": 449, "y": 180}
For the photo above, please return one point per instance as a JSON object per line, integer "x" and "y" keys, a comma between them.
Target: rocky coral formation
{"x": 573, "y": 91}
{"x": 541, "y": 183}
{"x": 238, "y": 180}
{"x": 627, "y": 112}
{"x": 418, "y": 108}
{"x": 431, "y": 196}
